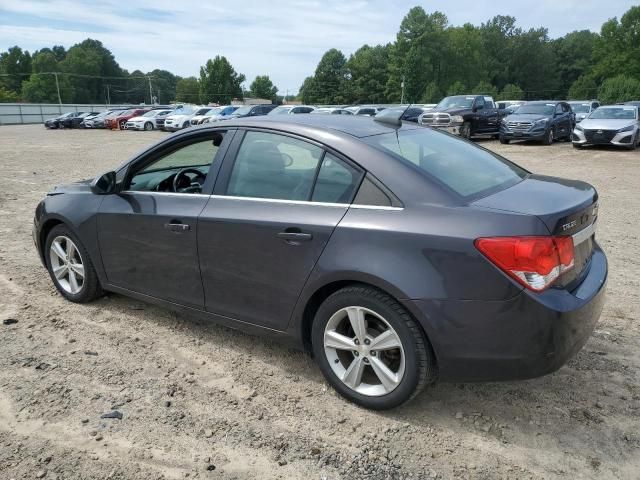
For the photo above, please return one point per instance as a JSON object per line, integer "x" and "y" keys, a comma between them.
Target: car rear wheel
{"x": 370, "y": 349}
{"x": 548, "y": 137}
{"x": 148, "y": 126}
{"x": 70, "y": 267}
{"x": 504, "y": 141}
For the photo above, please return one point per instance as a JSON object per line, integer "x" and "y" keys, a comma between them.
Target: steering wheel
{"x": 181, "y": 178}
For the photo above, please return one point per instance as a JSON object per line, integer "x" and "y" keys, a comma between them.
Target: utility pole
{"x": 108, "y": 96}
{"x": 150, "y": 91}
{"x": 402, "y": 86}
{"x": 55, "y": 74}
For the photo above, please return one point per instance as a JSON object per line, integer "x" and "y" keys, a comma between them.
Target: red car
{"x": 120, "y": 121}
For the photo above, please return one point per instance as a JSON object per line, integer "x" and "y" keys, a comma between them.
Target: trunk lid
{"x": 566, "y": 207}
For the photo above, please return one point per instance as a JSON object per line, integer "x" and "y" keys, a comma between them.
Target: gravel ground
{"x": 202, "y": 401}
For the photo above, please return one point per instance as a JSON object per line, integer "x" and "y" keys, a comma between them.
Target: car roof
{"x": 353, "y": 125}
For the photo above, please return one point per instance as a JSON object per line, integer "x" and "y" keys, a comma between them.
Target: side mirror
{"x": 104, "y": 184}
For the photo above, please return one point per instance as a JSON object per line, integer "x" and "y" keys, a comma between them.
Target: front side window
{"x": 183, "y": 170}
{"x": 274, "y": 166}
{"x": 468, "y": 170}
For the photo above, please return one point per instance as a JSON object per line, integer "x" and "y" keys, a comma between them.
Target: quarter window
{"x": 274, "y": 166}
{"x": 336, "y": 182}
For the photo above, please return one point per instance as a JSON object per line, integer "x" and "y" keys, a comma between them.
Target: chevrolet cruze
{"x": 395, "y": 253}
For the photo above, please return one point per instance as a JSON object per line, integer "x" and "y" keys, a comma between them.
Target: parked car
{"x": 181, "y": 118}
{"x": 582, "y": 108}
{"x": 481, "y": 271}
{"x": 291, "y": 110}
{"x": 252, "y": 111}
{"x": 147, "y": 121}
{"x": 100, "y": 120}
{"x": 368, "y": 110}
{"x": 409, "y": 114}
{"x": 332, "y": 111}
{"x": 510, "y": 106}
{"x": 214, "y": 114}
{"x": 609, "y": 125}
{"x": 465, "y": 115}
{"x": 74, "y": 121}
{"x": 88, "y": 121}
{"x": 53, "y": 123}
{"x": 543, "y": 121}
{"x": 119, "y": 121}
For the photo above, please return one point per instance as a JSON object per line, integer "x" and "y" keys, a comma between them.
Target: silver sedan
{"x": 609, "y": 125}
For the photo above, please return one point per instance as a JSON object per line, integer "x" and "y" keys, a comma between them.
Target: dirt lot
{"x": 202, "y": 401}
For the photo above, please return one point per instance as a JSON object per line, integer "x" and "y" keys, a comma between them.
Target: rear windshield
{"x": 468, "y": 170}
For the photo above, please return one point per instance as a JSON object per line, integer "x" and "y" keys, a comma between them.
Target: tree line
{"x": 89, "y": 73}
{"x": 429, "y": 59}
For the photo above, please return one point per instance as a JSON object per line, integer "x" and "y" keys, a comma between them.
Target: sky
{"x": 280, "y": 38}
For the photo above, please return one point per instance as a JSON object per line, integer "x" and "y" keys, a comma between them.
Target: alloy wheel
{"x": 66, "y": 264}
{"x": 364, "y": 351}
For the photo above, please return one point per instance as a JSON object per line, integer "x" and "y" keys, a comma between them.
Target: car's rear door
{"x": 148, "y": 237}
{"x": 277, "y": 201}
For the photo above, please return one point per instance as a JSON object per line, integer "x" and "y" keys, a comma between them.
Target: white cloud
{"x": 284, "y": 39}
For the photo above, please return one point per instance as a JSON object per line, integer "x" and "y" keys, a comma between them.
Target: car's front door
{"x": 147, "y": 232}
{"x": 276, "y": 204}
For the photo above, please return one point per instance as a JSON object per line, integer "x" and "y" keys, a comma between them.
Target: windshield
{"x": 151, "y": 113}
{"x": 459, "y": 101}
{"x": 468, "y": 170}
{"x": 184, "y": 110}
{"x": 126, "y": 112}
{"x": 580, "y": 107}
{"x": 614, "y": 113}
{"x": 243, "y": 110}
{"x": 202, "y": 111}
{"x": 537, "y": 109}
{"x": 213, "y": 111}
{"x": 280, "y": 111}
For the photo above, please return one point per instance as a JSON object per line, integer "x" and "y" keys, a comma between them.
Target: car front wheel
{"x": 370, "y": 349}
{"x": 70, "y": 267}
{"x": 148, "y": 126}
{"x": 548, "y": 137}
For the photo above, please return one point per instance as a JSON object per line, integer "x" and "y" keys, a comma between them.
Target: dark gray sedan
{"x": 397, "y": 254}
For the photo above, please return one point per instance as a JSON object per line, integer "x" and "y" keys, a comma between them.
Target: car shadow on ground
{"x": 560, "y": 408}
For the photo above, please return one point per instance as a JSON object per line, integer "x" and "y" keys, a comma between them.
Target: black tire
{"x": 420, "y": 365}
{"x": 548, "y": 137}
{"x": 577, "y": 146}
{"x": 91, "y": 288}
{"x": 634, "y": 142}
{"x": 465, "y": 130}
{"x": 504, "y": 141}
{"x": 148, "y": 126}
{"x": 186, "y": 124}
{"x": 122, "y": 124}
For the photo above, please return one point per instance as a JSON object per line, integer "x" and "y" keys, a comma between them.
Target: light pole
{"x": 402, "y": 86}
{"x": 55, "y": 74}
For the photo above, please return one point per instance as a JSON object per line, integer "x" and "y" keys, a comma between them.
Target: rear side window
{"x": 336, "y": 182}
{"x": 274, "y": 166}
{"x": 468, "y": 170}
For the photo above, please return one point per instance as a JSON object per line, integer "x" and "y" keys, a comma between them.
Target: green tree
{"x": 485, "y": 88}
{"x": 617, "y": 50}
{"x": 188, "y": 90}
{"x": 16, "y": 65}
{"x": 7, "y": 96}
{"x": 511, "y": 92}
{"x": 583, "y": 88}
{"x": 263, "y": 87}
{"x": 619, "y": 89}
{"x": 431, "y": 94}
{"x": 84, "y": 65}
{"x": 307, "y": 93}
{"x": 369, "y": 71}
{"x": 573, "y": 57}
{"x": 219, "y": 82}
{"x": 164, "y": 85}
{"x": 331, "y": 79}
{"x": 457, "y": 88}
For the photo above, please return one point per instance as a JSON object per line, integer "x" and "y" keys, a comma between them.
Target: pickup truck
{"x": 465, "y": 115}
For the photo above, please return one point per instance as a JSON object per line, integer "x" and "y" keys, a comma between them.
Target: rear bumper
{"x": 528, "y": 336}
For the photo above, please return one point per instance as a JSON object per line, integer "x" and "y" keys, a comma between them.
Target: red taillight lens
{"x": 535, "y": 262}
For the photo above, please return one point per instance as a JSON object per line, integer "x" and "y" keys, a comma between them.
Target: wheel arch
{"x": 307, "y": 308}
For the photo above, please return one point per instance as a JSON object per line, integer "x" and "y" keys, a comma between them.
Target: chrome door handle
{"x": 295, "y": 236}
{"x": 177, "y": 227}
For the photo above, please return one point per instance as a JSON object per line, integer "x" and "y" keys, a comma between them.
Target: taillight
{"x": 535, "y": 262}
